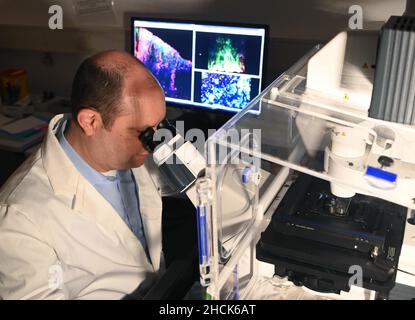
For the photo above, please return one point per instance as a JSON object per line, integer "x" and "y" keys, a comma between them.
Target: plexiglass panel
{"x": 306, "y": 130}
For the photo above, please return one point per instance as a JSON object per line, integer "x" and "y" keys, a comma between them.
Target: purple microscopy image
{"x": 165, "y": 62}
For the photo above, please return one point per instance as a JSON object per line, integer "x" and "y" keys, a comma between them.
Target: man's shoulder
{"x": 28, "y": 187}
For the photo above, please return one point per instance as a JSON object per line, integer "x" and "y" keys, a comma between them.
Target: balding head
{"x": 114, "y": 99}
{"x": 101, "y": 81}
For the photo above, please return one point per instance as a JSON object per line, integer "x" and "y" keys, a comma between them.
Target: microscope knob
{"x": 385, "y": 161}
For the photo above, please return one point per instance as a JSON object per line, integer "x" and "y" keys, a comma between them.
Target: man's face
{"x": 121, "y": 144}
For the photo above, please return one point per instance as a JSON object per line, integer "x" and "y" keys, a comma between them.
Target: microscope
{"x": 350, "y": 212}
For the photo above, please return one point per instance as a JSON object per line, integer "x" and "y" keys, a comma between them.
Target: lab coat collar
{"x": 62, "y": 174}
{"x": 67, "y": 181}
{"x": 151, "y": 210}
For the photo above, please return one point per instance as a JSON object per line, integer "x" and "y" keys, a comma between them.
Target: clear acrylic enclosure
{"x": 303, "y": 128}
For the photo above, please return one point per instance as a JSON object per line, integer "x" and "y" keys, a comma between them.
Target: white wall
{"x": 298, "y": 19}
{"x": 295, "y": 25}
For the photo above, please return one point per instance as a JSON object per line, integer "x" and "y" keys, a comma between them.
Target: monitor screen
{"x": 213, "y": 66}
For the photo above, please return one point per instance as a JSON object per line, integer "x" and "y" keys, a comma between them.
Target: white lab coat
{"x": 60, "y": 239}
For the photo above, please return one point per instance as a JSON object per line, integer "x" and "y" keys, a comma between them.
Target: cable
{"x": 410, "y": 273}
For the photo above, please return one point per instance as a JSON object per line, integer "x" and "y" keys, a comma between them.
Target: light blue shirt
{"x": 119, "y": 190}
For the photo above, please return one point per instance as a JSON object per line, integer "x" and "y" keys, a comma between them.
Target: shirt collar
{"x": 89, "y": 173}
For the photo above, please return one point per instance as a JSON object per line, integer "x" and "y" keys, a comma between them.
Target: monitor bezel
{"x": 190, "y": 106}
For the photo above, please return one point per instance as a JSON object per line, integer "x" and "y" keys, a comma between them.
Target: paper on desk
{"x": 23, "y": 125}
{"x": 4, "y": 119}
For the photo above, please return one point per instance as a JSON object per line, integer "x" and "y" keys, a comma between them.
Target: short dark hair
{"x": 98, "y": 86}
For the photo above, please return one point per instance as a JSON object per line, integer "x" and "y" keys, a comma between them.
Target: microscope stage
{"x": 307, "y": 213}
{"x": 308, "y": 238}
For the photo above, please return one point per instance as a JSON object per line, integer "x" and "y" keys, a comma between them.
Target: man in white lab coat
{"x": 75, "y": 221}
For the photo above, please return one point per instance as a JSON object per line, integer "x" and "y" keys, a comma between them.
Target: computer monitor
{"x": 214, "y": 66}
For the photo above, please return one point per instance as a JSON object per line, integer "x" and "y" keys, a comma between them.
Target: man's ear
{"x": 89, "y": 120}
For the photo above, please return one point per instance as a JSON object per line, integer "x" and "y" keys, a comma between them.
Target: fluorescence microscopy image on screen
{"x": 228, "y": 52}
{"x": 230, "y": 91}
{"x": 168, "y": 55}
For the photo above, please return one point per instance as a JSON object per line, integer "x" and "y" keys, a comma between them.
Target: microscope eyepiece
{"x": 147, "y": 139}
